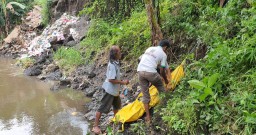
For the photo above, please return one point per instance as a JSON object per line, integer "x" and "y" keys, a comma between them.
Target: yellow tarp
{"x": 176, "y": 76}
{"x": 135, "y": 110}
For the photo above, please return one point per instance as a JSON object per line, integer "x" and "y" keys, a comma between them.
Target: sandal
{"x": 96, "y": 130}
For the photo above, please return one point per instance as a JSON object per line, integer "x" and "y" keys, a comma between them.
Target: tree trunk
{"x": 116, "y": 6}
{"x": 156, "y": 33}
{"x": 222, "y": 3}
{"x": 123, "y": 7}
{"x": 158, "y": 13}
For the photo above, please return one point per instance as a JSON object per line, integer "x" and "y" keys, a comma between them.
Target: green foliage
{"x": 18, "y": 4}
{"x": 204, "y": 90}
{"x": 112, "y": 10}
{"x": 46, "y": 5}
{"x": 116, "y": 23}
{"x": 206, "y": 102}
{"x": 138, "y": 128}
{"x": 68, "y": 58}
{"x": 182, "y": 122}
{"x": 20, "y": 7}
{"x": 109, "y": 131}
{"x": 97, "y": 38}
{"x": 133, "y": 35}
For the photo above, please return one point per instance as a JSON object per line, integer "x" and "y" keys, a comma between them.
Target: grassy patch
{"x": 68, "y": 58}
{"x": 97, "y": 38}
{"x": 25, "y": 62}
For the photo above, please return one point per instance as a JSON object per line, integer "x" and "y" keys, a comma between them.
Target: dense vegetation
{"x": 129, "y": 30}
{"x": 11, "y": 12}
{"x": 218, "y": 94}
{"x": 222, "y": 96}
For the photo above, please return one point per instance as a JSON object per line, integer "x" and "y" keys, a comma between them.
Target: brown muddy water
{"x": 28, "y": 107}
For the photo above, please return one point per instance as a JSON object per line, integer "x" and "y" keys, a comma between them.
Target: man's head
{"x": 164, "y": 44}
{"x": 115, "y": 53}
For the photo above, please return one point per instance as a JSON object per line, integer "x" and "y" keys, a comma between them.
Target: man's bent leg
{"x": 157, "y": 82}
{"x": 116, "y": 104}
{"x": 97, "y": 119}
{"x": 106, "y": 103}
{"x": 148, "y": 117}
{"x": 144, "y": 83}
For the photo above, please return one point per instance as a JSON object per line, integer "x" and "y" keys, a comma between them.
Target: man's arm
{"x": 168, "y": 72}
{"x": 163, "y": 74}
{"x": 164, "y": 64}
{"x": 114, "y": 81}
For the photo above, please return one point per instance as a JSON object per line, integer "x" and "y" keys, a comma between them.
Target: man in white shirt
{"x": 147, "y": 70}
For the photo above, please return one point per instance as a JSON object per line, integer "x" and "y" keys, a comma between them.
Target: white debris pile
{"x": 58, "y": 31}
{"x": 61, "y": 27}
{"x": 38, "y": 45}
{"x": 25, "y": 40}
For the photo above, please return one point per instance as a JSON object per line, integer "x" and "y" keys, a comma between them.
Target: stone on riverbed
{"x": 33, "y": 71}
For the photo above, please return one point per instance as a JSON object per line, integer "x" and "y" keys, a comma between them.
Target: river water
{"x": 28, "y": 107}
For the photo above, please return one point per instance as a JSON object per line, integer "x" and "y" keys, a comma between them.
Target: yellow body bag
{"x": 135, "y": 110}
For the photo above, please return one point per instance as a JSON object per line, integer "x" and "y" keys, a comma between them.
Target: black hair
{"x": 112, "y": 54}
{"x": 164, "y": 43}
